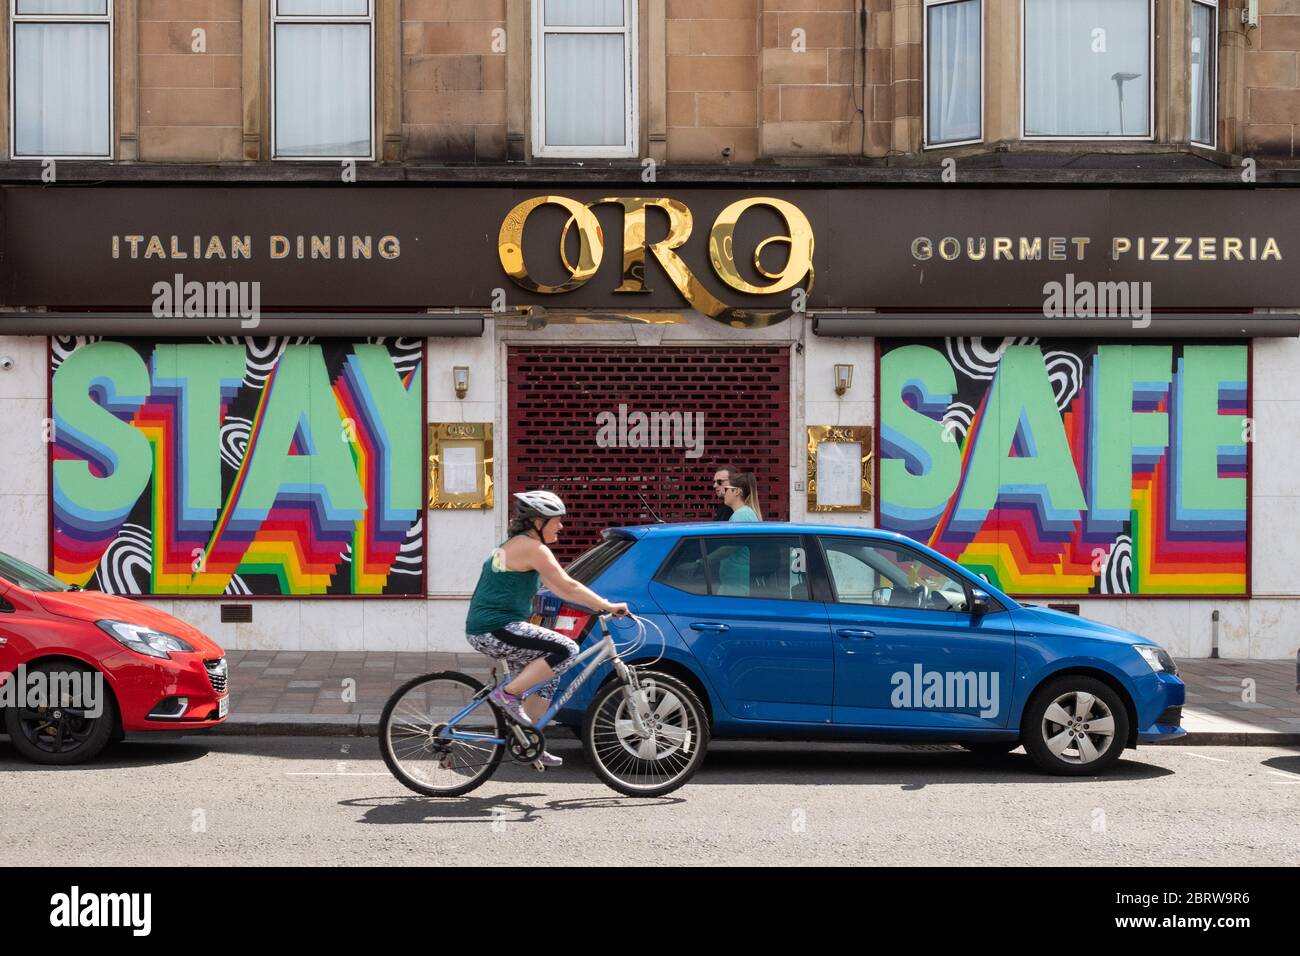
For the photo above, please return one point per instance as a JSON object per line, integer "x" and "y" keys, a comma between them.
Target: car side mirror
{"x": 979, "y": 602}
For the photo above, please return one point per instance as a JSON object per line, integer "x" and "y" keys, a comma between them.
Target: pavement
{"x": 330, "y": 801}
{"x": 326, "y": 693}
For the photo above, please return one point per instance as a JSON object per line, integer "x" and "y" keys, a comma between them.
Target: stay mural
{"x": 1062, "y": 467}
{"x": 238, "y": 466}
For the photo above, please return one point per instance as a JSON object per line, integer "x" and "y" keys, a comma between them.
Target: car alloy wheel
{"x": 1078, "y": 727}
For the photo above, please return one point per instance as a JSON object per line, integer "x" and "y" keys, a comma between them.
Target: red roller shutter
{"x": 557, "y": 392}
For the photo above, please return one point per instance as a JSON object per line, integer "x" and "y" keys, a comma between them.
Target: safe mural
{"x": 1063, "y": 467}
{"x": 238, "y": 466}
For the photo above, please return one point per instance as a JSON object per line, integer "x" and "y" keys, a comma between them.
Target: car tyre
{"x": 90, "y": 734}
{"x": 1075, "y": 726}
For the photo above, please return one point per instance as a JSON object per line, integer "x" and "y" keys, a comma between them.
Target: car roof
{"x": 679, "y": 528}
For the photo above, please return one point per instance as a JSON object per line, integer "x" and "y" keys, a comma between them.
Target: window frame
{"x": 925, "y": 77}
{"x": 631, "y": 66}
{"x": 1151, "y": 91}
{"x": 1214, "y": 79}
{"x": 369, "y": 20}
{"x": 16, "y": 18}
{"x": 896, "y": 546}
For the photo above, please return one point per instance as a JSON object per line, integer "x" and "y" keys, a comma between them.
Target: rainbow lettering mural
{"x": 1062, "y": 467}
{"x": 238, "y": 466}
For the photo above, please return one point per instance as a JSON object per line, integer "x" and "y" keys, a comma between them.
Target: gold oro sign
{"x": 591, "y": 249}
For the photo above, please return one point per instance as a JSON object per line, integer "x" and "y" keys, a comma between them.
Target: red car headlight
{"x": 144, "y": 640}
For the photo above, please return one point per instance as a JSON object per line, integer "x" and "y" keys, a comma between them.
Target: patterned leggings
{"x": 519, "y": 643}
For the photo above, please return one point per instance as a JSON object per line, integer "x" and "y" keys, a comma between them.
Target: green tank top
{"x": 501, "y": 597}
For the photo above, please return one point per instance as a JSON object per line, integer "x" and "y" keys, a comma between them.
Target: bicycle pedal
{"x": 538, "y": 766}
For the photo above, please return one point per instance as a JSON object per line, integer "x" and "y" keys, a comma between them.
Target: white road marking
{"x": 332, "y": 773}
{"x": 1192, "y": 753}
{"x": 1288, "y": 776}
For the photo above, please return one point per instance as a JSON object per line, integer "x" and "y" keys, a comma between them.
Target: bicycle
{"x": 644, "y": 734}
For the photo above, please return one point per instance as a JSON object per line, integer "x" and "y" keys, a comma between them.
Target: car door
{"x": 908, "y": 650}
{"x": 743, "y": 605}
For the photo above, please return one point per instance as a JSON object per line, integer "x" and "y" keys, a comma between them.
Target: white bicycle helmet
{"x": 544, "y": 503}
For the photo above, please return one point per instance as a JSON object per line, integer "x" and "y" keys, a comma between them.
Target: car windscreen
{"x": 589, "y": 565}
{"x": 26, "y": 576}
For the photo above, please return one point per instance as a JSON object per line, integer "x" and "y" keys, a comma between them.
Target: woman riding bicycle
{"x": 498, "y": 625}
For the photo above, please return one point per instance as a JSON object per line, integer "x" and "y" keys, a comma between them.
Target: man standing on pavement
{"x": 722, "y": 477}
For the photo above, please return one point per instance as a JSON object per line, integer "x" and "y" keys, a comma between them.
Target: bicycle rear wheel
{"x": 418, "y": 756}
{"x": 666, "y": 756}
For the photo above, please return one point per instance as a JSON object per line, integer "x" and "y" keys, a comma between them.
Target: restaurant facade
{"x": 287, "y": 396}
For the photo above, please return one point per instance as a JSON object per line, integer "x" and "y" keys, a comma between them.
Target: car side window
{"x": 773, "y": 567}
{"x": 685, "y": 569}
{"x": 886, "y": 575}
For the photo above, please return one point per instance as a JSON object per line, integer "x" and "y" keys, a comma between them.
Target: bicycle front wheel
{"x": 412, "y": 741}
{"x": 658, "y": 760}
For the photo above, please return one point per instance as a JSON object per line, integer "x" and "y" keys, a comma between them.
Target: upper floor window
{"x": 584, "y": 78}
{"x": 1205, "y": 67}
{"x": 61, "y": 78}
{"x": 1086, "y": 72}
{"x": 954, "y": 75}
{"x": 322, "y": 79}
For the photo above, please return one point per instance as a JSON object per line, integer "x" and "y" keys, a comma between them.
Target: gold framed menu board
{"x": 839, "y": 467}
{"x": 460, "y": 465}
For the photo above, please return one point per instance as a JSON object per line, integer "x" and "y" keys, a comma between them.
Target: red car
{"x": 80, "y": 668}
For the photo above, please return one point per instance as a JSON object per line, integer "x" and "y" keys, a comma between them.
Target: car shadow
{"x": 911, "y": 767}
{"x": 904, "y": 767}
{"x": 1290, "y": 764}
{"x": 124, "y": 755}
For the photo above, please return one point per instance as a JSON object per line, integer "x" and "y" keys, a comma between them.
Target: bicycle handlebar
{"x": 639, "y": 640}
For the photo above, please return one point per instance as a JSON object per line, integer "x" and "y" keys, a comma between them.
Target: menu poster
{"x": 459, "y": 470}
{"x": 839, "y": 474}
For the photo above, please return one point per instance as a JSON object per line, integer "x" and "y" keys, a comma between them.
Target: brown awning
{"x": 321, "y": 325}
{"x": 941, "y": 324}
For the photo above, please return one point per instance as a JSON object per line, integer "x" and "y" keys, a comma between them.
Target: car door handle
{"x": 709, "y": 626}
{"x": 854, "y": 632}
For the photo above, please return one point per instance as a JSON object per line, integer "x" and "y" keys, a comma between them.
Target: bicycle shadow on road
{"x": 500, "y": 810}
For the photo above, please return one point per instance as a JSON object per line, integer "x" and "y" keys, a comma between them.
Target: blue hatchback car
{"x": 812, "y": 631}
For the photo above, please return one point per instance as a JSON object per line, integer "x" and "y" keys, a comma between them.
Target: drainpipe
{"x": 1214, "y": 634}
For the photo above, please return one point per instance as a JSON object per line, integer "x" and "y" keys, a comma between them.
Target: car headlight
{"x": 144, "y": 640}
{"x": 1157, "y": 657}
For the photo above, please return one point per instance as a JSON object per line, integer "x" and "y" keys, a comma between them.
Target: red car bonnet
{"x": 96, "y": 606}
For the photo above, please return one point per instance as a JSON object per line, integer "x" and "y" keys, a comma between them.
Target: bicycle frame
{"x": 600, "y": 652}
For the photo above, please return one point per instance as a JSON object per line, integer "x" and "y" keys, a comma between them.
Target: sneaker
{"x": 548, "y": 760}
{"x": 512, "y": 705}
